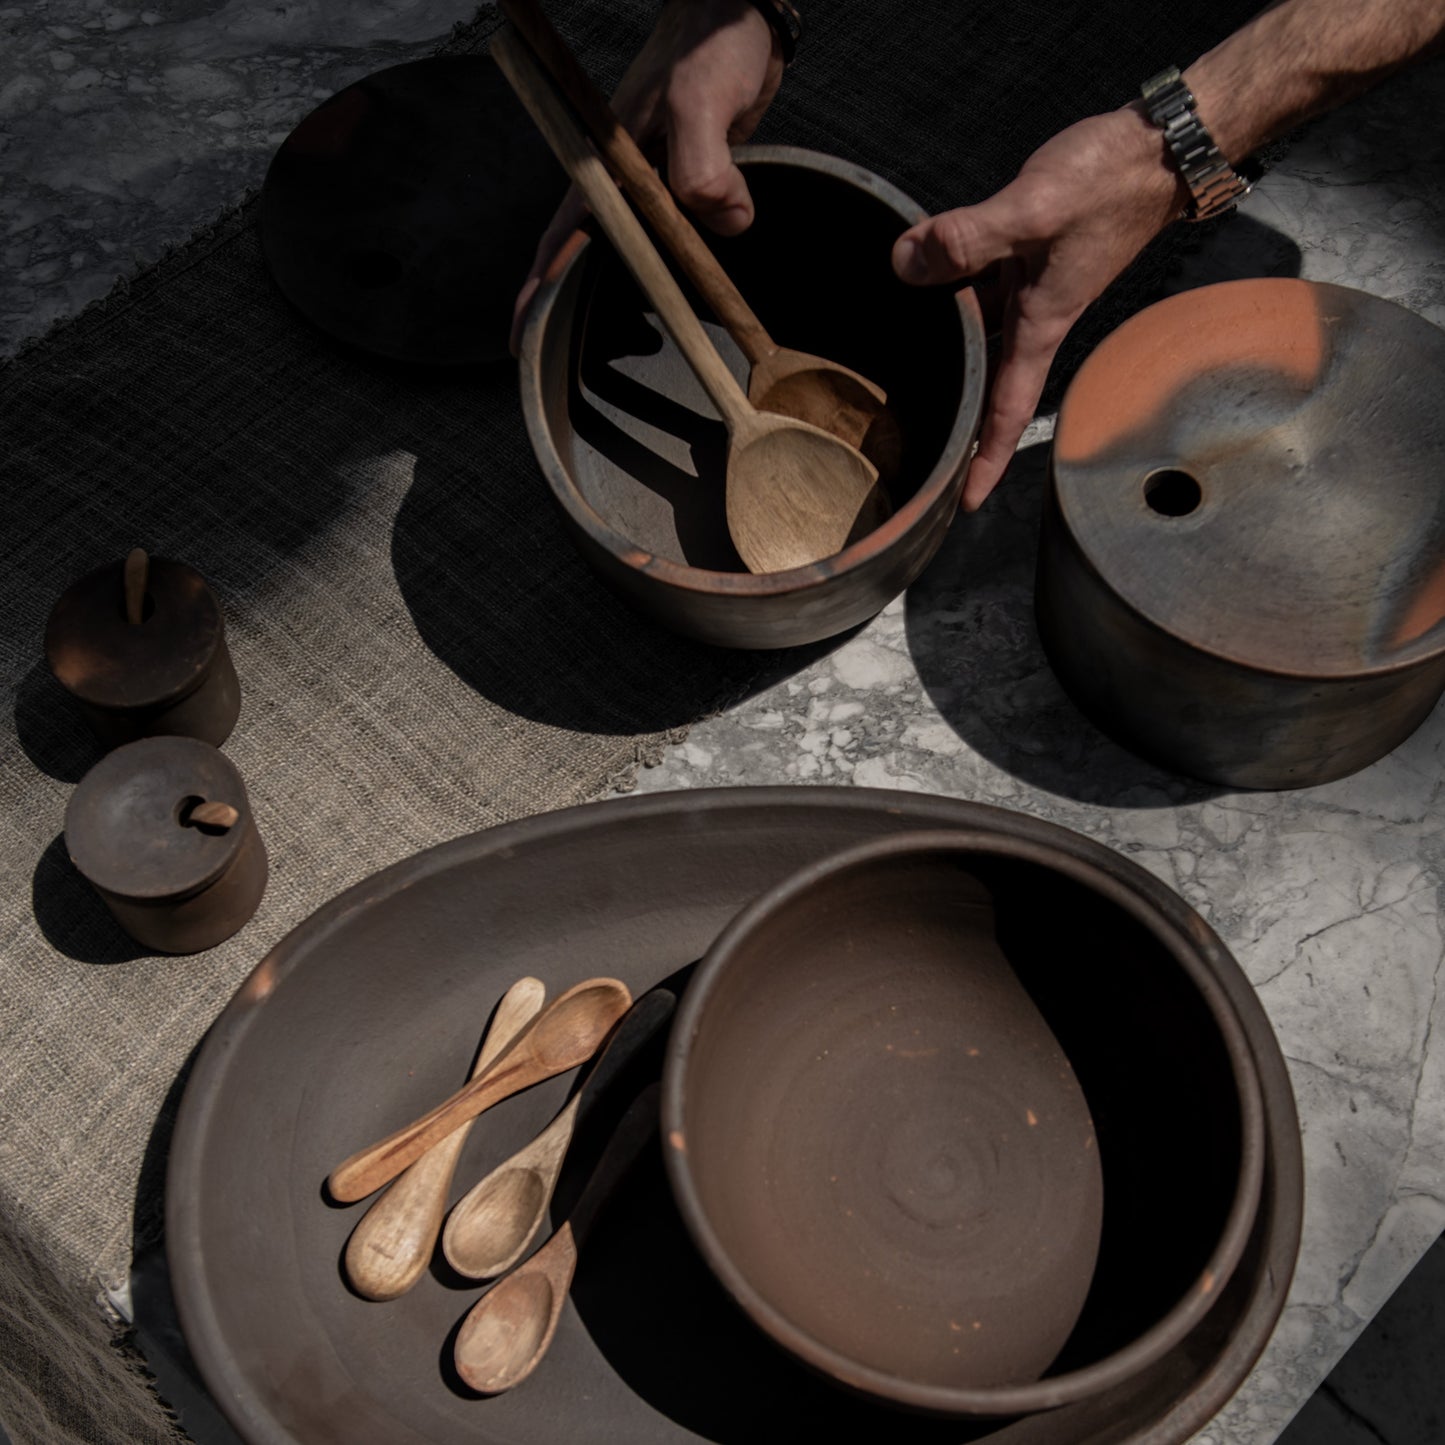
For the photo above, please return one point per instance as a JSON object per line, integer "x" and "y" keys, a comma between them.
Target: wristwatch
{"x": 786, "y": 22}
{"x": 1214, "y": 184}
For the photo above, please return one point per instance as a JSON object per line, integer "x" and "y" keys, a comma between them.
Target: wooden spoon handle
{"x": 136, "y": 573}
{"x": 580, "y": 161}
{"x": 567, "y": 1032}
{"x": 643, "y": 184}
{"x": 370, "y": 1168}
{"x": 389, "y": 1249}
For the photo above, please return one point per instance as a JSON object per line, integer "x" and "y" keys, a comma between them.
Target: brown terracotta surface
{"x": 1240, "y": 573}
{"x": 1309, "y": 416}
{"x": 880, "y": 1144}
{"x": 369, "y": 1012}
{"x": 176, "y": 883}
{"x": 170, "y": 673}
{"x": 883, "y": 1135}
{"x": 636, "y": 456}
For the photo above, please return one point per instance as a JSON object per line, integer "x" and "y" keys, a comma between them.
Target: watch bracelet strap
{"x": 786, "y": 23}
{"x": 1213, "y": 183}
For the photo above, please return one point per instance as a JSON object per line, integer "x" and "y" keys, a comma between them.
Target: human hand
{"x": 1081, "y": 208}
{"x": 699, "y": 86}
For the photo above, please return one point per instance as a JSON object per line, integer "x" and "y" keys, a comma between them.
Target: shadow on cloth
{"x": 501, "y": 596}
{"x": 50, "y": 729}
{"x": 71, "y": 916}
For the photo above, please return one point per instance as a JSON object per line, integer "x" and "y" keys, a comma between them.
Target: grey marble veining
{"x": 123, "y": 129}
{"x": 1329, "y": 897}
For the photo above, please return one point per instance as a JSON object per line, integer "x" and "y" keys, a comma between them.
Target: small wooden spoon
{"x": 508, "y": 1330}
{"x": 795, "y": 493}
{"x": 390, "y": 1247}
{"x": 794, "y": 383}
{"x": 566, "y": 1033}
{"x": 490, "y": 1226}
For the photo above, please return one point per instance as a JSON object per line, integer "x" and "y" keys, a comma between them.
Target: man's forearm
{"x": 1301, "y": 58}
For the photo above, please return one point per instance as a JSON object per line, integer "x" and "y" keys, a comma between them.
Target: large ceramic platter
{"x": 371, "y": 1010}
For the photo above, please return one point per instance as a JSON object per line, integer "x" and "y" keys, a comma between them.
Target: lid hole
{"x": 1172, "y": 493}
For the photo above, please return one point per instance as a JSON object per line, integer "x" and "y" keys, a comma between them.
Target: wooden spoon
{"x": 794, "y": 383}
{"x": 565, "y": 1034}
{"x": 795, "y": 493}
{"x": 508, "y": 1330}
{"x": 390, "y": 1247}
{"x": 490, "y": 1226}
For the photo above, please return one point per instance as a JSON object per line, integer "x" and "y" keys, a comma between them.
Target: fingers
{"x": 954, "y": 244}
{"x": 553, "y": 251}
{"x": 1028, "y": 353}
{"x": 701, "y": 172}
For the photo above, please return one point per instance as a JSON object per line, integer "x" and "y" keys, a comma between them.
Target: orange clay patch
{"x": 1142, "y": 367}
{"x": 1425, "y": 609}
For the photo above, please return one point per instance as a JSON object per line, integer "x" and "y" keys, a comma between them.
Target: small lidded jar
{"x": 162, "y": 830}
{"x": 141, "y": 646}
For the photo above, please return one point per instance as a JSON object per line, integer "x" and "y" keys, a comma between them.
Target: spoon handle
{"x": 136, "y": 573}
{"x": 390, "y": 1247}
{"x": 484, "y": 1234}
{"x": 623, "y": 229}
{"x": 643, "y": 184}
{"x": 557, "y": 1039}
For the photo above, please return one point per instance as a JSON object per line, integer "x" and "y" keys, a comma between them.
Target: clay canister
{"x": 168, "y": 672}
{"x": 162, "y": 829}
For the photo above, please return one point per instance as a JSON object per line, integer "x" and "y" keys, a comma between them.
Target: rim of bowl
{"x": 1051, "y": 1391}
{"x": 947, "y": 473}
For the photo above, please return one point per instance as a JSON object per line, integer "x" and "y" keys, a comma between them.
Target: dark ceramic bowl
{"x": 636, "y": 456}
{"x": 878, "y": 1146}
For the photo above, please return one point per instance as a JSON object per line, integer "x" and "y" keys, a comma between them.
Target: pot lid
{"x": 110, "y": 662}
{"x": 1258, "y": 468}
{"x": 128, "y": 826}
{"x": 402, "y": 214}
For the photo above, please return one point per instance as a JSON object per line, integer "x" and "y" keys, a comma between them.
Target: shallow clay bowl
{"x": 888, "y": 1098}
{"x": 1242, "y": 565}
{"x": 635, "y": 455}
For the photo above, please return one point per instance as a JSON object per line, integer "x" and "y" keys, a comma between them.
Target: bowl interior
{"x": 639, "y": 441}
{"x": 884, "y": 1161}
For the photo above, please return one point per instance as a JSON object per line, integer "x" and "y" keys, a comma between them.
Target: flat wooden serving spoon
{"x": 793, "y": 383}
{"x": 491, "y": 1225}
{"x": 795, "y": 493}
{"x": 508, "y": 1331}
{"x": 390, "y": 1247}
{"x": 566, "y": 1033}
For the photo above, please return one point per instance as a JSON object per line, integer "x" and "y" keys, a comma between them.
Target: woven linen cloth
{"x": 421, "y": 651}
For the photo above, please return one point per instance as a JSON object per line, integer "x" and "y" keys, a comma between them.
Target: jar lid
{"x": 1254, "y": 467}
{"x": 110, "y": 662}
{"x": 129, "y": 826}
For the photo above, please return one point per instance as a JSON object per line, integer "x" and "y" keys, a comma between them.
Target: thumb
{"x": 952, "y": 245}
{"x": 701, "y": 172}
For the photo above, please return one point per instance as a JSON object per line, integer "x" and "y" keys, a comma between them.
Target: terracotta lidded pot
{"x": 140, "y": 644}
{"x": 162, "y": 830}
{"x": 1242, "y": 562}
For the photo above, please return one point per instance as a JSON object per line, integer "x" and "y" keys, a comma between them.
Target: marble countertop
{"x": 122, "y": 130}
